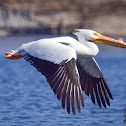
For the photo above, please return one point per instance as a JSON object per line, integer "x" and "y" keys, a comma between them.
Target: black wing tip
{"x": 63, "y": 107}
{"x": 100, "y": 106}
{"x": 68, "y": 110}
{"x": 102, "y": 95}
{"x": 109, "y": 105}
{"x": 79, "y": 111}
{"x": 111, "y": 97}
{"x": 58, "y": 98}
{"x": 82, "y": 105}
{"x": 93, "y": 102}
{"x": 104, "y": 105}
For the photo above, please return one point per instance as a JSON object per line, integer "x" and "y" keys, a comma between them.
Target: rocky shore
{"x": 62, "y": 17}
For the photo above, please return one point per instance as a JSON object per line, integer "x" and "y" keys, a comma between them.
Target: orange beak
{"x": 109, "y": 41}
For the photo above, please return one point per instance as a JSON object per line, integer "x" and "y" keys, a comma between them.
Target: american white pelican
{"x": 69, "y": 66}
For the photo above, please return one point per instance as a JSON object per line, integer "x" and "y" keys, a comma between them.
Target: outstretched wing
{"x": 57, "y": 63}
{"x": 92, "y": 81}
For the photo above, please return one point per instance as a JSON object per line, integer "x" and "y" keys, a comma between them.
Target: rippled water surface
{"x": 26, "y": 99}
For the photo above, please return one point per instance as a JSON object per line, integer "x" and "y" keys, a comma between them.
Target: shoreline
{"x": 57, "y": 17}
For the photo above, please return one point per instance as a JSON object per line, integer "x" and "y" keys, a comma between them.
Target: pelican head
{"x": 93, "y": 36}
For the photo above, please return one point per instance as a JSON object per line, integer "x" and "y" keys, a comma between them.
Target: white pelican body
{"x": 69, "y": 66}
{"x": 62, "y": 46}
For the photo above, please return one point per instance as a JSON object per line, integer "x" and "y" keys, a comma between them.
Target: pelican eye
{"x": 97, "y": 35}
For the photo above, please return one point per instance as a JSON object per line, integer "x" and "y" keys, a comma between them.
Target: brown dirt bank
{"x": 104, "y": 16}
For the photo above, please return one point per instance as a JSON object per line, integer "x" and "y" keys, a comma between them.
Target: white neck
{"x": 89, "y": 44}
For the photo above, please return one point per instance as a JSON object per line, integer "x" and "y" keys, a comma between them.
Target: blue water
{"x": 26, "y": 99}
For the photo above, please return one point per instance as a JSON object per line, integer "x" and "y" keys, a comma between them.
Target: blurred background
{"x": 62, "y": 16}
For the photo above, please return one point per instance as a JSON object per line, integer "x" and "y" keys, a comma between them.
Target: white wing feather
{"x": 50, "y": 51}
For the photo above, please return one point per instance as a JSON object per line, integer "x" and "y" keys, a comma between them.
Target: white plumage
{"x": 69, "y": 66}
{"x": 49, "y": 49}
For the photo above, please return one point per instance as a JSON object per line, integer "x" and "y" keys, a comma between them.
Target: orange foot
{"x": 9, "y": 55}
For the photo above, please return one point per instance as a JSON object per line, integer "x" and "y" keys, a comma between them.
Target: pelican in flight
{"x": 69, "y": 66}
